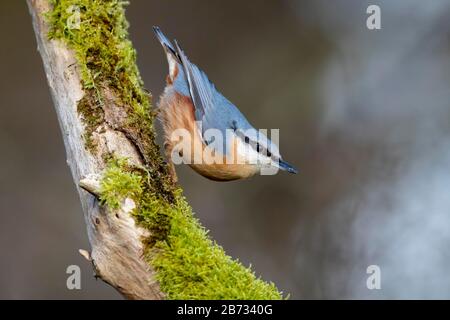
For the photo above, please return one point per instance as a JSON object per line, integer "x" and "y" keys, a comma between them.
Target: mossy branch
{"x": 145, "y": 240}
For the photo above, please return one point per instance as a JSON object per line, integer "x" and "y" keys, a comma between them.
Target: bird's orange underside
{"x": 177, "y": 112}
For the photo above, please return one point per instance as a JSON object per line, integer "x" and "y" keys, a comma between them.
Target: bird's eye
{"x": 247, "y": 139}
{"x": 269, "y": 154}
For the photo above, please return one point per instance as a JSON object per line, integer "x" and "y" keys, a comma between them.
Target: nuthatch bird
{"x": 192, "y": 104}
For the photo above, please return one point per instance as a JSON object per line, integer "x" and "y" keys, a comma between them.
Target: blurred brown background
{"x": 364, "y": 114}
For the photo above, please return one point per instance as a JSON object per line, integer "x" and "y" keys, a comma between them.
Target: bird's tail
{"x": 172, "y": 57}
{"x": 167, "y": 45}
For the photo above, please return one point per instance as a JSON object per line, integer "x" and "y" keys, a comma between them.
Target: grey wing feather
{"x": 201, "y": 89}
{"x": 211, "y": 107}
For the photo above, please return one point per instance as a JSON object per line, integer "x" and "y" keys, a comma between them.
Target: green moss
{"x": 106, "y": 59}
{"x": 117, "y": 184}
{"x": 90, "y": 109}
{"x": 189, "y": 264}
{"x": 105, "y": 55}
{"x": 107, "y": 63}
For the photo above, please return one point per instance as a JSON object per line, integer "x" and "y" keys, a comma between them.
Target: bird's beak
{"x": 283, "y": 165}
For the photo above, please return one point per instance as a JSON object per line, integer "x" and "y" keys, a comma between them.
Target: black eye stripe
{"x": 256, "y": 146}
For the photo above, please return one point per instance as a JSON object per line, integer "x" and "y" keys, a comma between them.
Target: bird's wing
{"x": 211, "y": 108}
{"x": 201, "y": 89}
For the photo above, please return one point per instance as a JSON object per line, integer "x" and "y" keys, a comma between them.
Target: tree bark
{"x": 116, "y": 240}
